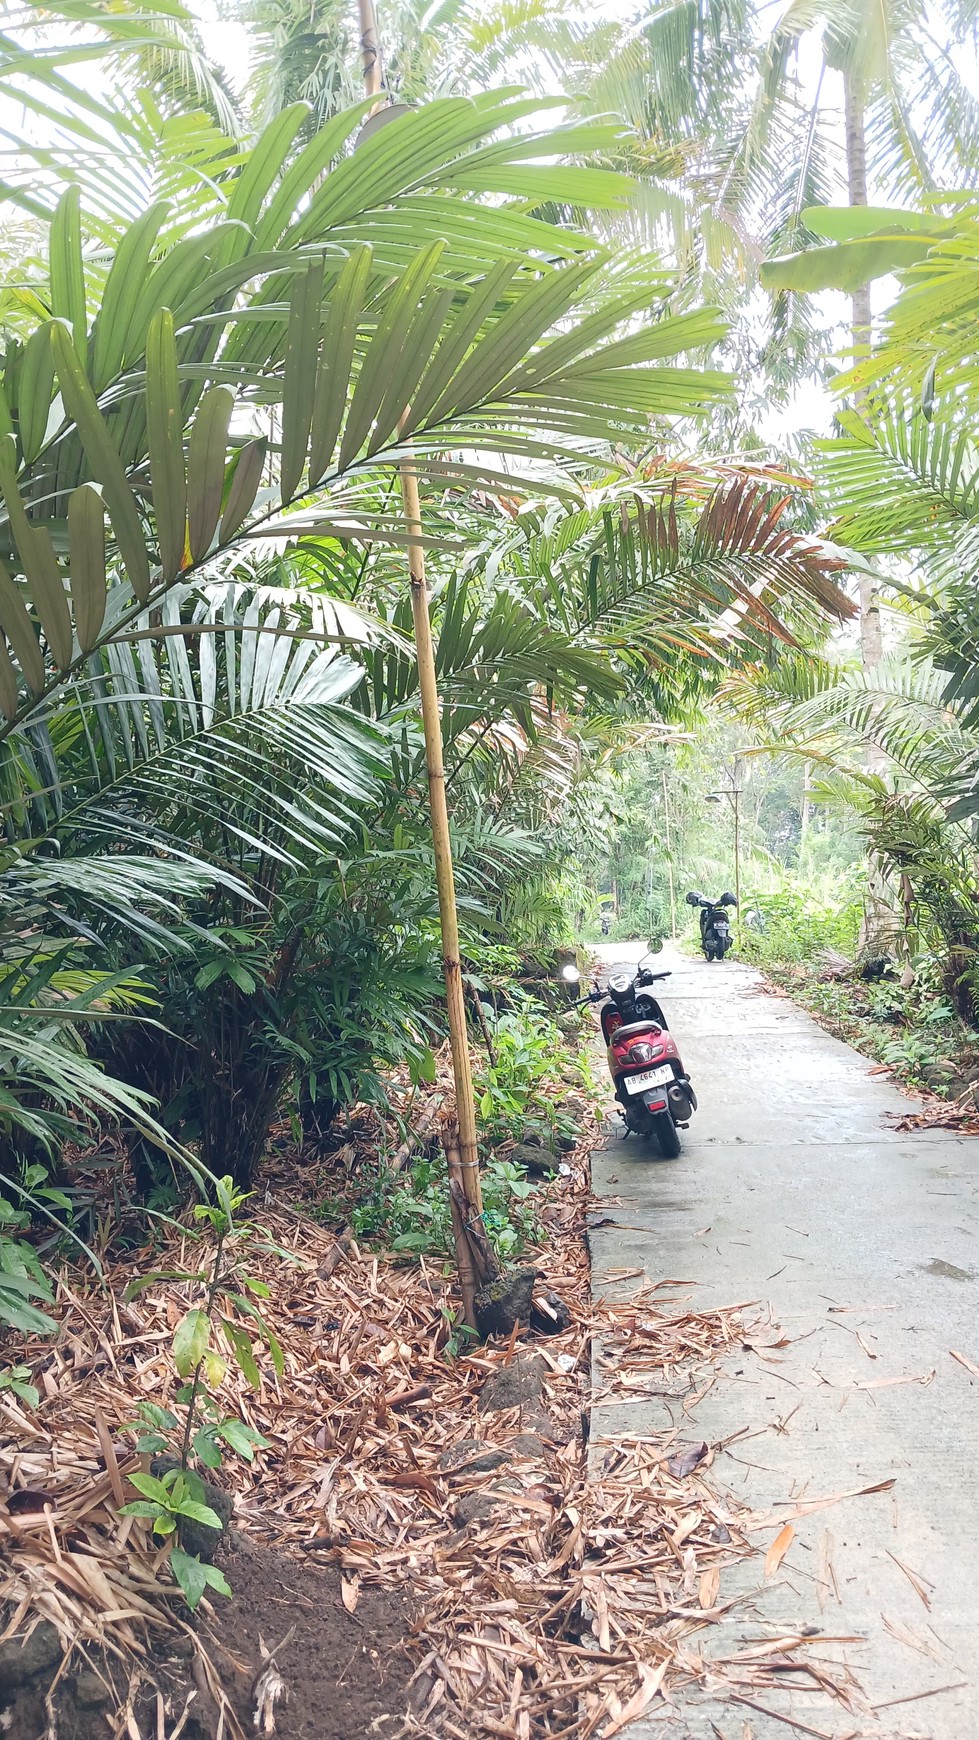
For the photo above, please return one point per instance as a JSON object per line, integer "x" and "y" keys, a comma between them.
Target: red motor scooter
{"x": 654, "y": 1092}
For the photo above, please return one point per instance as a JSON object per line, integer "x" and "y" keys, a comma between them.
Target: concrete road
{"x": 794, "y": 1188}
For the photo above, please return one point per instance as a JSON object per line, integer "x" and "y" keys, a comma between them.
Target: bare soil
{"x": 345, "y": 1674}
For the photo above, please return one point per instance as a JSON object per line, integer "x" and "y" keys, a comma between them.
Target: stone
{"x": 503, "y": 1304}
{"x": 538, "y": 1161}
{"x": 23, "y": 1657}
{"x": 552, "y": 1321}
{"x": 517, "y": 1385}
{"x": 479, "y": 1506}
{"x": 91, "y": 1690}
{"x": 570, "y": 1024}
{"x": 527, "y": 1444}
{"x": 472, "y": 1456}
{"x": 199, "y": 1539}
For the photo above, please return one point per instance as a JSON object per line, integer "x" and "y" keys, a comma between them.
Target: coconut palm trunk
{"x": 871, "y": 647}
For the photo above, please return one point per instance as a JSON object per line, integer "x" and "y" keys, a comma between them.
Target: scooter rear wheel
{"x": 665, "y": 1131}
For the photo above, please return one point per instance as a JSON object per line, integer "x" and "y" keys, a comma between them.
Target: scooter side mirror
{"x": 570, "y": 974}
{"x": 695, "y": 899}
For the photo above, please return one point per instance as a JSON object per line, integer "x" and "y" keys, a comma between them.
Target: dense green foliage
{"x": 229, "y": 317}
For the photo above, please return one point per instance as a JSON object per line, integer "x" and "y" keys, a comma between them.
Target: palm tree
{"x": 228, "y": 362}
{"x": 824, "y": 716}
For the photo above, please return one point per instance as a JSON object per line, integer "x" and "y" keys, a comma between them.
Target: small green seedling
{"x": 204, "y": 1430}
{"x": 17, "y": 1379}
{"x": 166, "y": 1501}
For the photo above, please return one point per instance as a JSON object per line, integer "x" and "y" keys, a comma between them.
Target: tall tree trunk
{"x": 874, "y": 932}
{"x": 871, "y": 647}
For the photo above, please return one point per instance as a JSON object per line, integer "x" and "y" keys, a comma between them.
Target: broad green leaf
{"x": 9, "y": 692}
{"x": 847, "y": 223}
{"x": 336, "y": 359}
{"x": 164, "y": 425}
{"x": 846, "y": 266}
{"x": 103, "y": 457}
{"x": 123, "y": 288}
{"x": 40, "y": 564}
{"x": 299, "y": 381}
{"x": 265, "y": 163}
{"x": 243, "y": 1350}
{"x": 457, "y": 339}
{"x": 86, "y": 562}
{"x": 34, "y": 392}
{"x": 190, "y": 1575}
{"x": 386, "y": 348}
{"x": 150, "y": 1487}
{"x": 200, "y": 1513}
{"x": 190, "y": 1341}
{"x": 217, "y": 1580}
{"x": 67, "y": 268}
{"x": 160, "y": 1417}
{"x": 242, "y": 1438}
{"x": 205, "y": 1448}
{"x": 19, "y": 629}
{"x": 244, "y": 486}
{"x": 215, "y": 1369}
{"x": 205, "y": 468}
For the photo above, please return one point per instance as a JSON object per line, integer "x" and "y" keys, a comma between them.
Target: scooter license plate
{"x": 637, "y": 1084}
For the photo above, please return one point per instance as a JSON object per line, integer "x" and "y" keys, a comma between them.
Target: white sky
{"x": 811, "y": 406}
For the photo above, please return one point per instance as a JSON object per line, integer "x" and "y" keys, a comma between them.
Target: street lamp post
{"x": 732, "y": 792}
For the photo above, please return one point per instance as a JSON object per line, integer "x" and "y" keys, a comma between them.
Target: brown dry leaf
{"x": 495, "y": 1636}
{"x": 650, "y": 1681}
{"x": 825, "y": 1575}
{"x": 778, "y": 1549}
{"x": 923, "y": 1378}
{"x": 915, "y": 1639}
{"x": 920, "y": 1585}
{"x": 808, "y": 1506}
{"x": 710, "y": 1584}
{"x": 27, "y": 1502}
{"x": 410, "y": 1481}
{"x": 685, "y": 1463}
{"x": 599, "y": 1603}
{"x": 963, "y": 1359}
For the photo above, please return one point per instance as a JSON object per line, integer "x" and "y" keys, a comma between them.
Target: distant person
{"x": 606, "y": 924}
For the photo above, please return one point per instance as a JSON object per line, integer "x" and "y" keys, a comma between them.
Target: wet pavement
{"x": 794, "y": 1188}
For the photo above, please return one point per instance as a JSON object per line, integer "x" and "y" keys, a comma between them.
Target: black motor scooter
{"x": 715, "y": 925}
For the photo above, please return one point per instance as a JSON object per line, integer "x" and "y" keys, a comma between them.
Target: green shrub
{"x": 795, "y": 923}
{"x": 410, "y": 1212}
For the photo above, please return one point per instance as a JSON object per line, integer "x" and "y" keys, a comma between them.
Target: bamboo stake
{"x": 370, "y": 48}
{"x": 432, "y": 722}
{"x": 464, "y": 1256}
